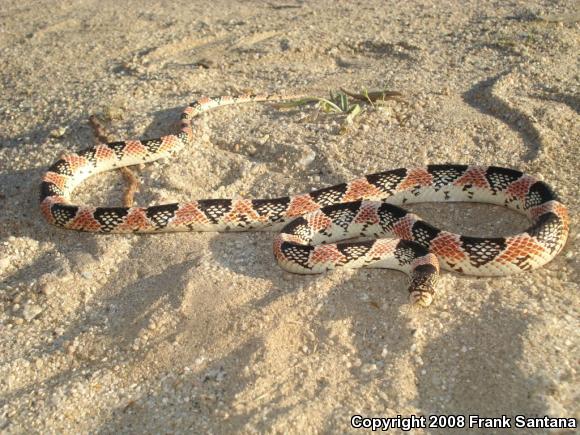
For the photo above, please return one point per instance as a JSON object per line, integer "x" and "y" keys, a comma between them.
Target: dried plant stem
{"x": 132, "y": 183}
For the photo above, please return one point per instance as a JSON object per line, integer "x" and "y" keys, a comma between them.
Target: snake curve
{"x": 316, "y": 224}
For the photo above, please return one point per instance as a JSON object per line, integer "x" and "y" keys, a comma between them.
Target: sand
{"x": 203, "y": 332}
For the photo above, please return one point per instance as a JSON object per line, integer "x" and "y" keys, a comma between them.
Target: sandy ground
{"x": 203, "y": 332}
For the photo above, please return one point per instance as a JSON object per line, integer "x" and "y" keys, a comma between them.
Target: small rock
{"x": 46, "y": 289}
{"x": 86, "y": 274}
{"x": 264, "y": 139}
{"x": 57, "y": 133}
{"x": 307, "y": 158}
{"x": 368, "y": 368}
{"x": 4, "y": 263}
{"x": 69, "y": 347}
{"x": 46, "y": 284}
{"x": 31, "y": 311}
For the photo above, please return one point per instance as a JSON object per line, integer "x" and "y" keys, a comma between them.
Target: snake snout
{"x": 423, "y": 284}
{"x": 421, "y": 299}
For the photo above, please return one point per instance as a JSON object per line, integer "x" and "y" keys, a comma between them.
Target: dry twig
{"x": 101, "y": 137}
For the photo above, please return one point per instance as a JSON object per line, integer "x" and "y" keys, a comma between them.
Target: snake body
{"x": 316, "y": 224}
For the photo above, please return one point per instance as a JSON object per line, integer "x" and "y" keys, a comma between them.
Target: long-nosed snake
{"x": 316, "y": 221}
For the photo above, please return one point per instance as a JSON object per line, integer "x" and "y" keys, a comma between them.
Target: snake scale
{"x": 317, "y": 226}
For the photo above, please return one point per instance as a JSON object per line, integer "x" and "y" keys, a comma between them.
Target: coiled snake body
{"x": 316, "y": 222}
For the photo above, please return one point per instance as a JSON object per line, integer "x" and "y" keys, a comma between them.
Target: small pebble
{"x": 86, "y": 274}
{"x": 46, "y": 289}
{"x": 57, "y": 133}
{"x": 4, "y": 263}
{"x": 368, "y": 368}
{"x": 31, "y": 311}
{"x": 307, "y": 158}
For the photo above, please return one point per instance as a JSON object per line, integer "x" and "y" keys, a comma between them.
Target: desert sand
{"x": 203, "y": 332}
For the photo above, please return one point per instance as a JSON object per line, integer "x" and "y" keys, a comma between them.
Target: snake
{"x": 359, "y": 223}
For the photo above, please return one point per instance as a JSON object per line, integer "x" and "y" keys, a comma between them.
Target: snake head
{"x": 422, "y": 287}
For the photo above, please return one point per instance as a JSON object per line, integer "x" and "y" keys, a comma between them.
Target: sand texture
{"x": 203, "y": 332}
